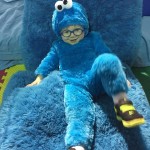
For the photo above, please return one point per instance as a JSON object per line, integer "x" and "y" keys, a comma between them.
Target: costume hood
{"x": 73, "y": 14}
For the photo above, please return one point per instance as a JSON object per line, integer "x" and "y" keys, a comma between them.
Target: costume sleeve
{"x": 100, "y": 45}
{"x": 49, "y": 63}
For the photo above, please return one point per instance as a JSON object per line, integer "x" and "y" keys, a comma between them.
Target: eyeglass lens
{"x": 76, "y": 32}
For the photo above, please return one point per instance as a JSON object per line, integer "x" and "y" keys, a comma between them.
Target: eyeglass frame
{"x": 70, "y": 32}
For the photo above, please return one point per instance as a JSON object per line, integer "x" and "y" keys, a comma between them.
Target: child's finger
{"x": 31, "y": 84}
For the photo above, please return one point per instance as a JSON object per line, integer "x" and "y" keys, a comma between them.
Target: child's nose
{"x": 72, "y": 35}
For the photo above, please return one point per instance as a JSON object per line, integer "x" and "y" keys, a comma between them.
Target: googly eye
{"x": 59, "y": 6}
{"x": 67, "y": 4}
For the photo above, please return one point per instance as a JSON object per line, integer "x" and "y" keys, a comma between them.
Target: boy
{"x": 88, "y": 69}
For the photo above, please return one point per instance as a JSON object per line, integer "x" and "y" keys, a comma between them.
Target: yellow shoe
{"x": 126, "y": 113}
{"x": 5, "y": 76}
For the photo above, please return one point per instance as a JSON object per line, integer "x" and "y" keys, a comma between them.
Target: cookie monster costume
{"x": 87, "y": 68}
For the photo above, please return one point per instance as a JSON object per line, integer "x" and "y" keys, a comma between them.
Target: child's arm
{"x": 48, "y": 64}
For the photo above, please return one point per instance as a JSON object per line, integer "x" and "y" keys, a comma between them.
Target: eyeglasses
{"x": 76, "y": 32}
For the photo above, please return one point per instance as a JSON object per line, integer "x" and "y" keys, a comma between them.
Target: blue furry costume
{"x": 87, "y": 69}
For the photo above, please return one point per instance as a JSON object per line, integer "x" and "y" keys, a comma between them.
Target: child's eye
{"x": 78, "y": 31}
{"x": 59, "y": 6}
{"x": 66, "y": 33}
{"x": 67, "y": 4}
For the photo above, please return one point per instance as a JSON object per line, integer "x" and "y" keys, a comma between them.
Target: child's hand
{"x": 37, "y": 81}
{"x": 128, "y": 83}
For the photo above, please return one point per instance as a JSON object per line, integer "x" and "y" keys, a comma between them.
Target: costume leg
{"x": 107, "y": 74}
{"x": 80, "y": 116}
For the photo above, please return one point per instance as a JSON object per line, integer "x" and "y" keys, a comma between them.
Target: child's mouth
{"x": 73, "y": 40}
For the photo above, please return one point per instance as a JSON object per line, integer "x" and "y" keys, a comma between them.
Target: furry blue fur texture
{"x": 29, "y": 120}
{"x": 106, "y": 79}
{"x": 34, "y": 123}
{"x": 73, "y": 61}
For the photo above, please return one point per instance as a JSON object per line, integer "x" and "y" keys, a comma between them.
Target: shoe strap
{"x": 126, "y": 107}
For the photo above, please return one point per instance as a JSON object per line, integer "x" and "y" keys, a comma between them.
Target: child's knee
{"x": 108, "y": 60}
{"x": 107, "y": 63}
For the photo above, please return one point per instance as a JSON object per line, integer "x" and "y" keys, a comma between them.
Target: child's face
{"x": 72, "y": 34}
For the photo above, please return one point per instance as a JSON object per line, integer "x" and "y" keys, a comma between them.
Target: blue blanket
{"x": 11, "y": 12}
{"x": 33, "y": 118}
{"x": 29, "y": 122}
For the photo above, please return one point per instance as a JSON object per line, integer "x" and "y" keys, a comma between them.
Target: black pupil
{"x": 65, "y": 2}
{"x": 59, "y": 7}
